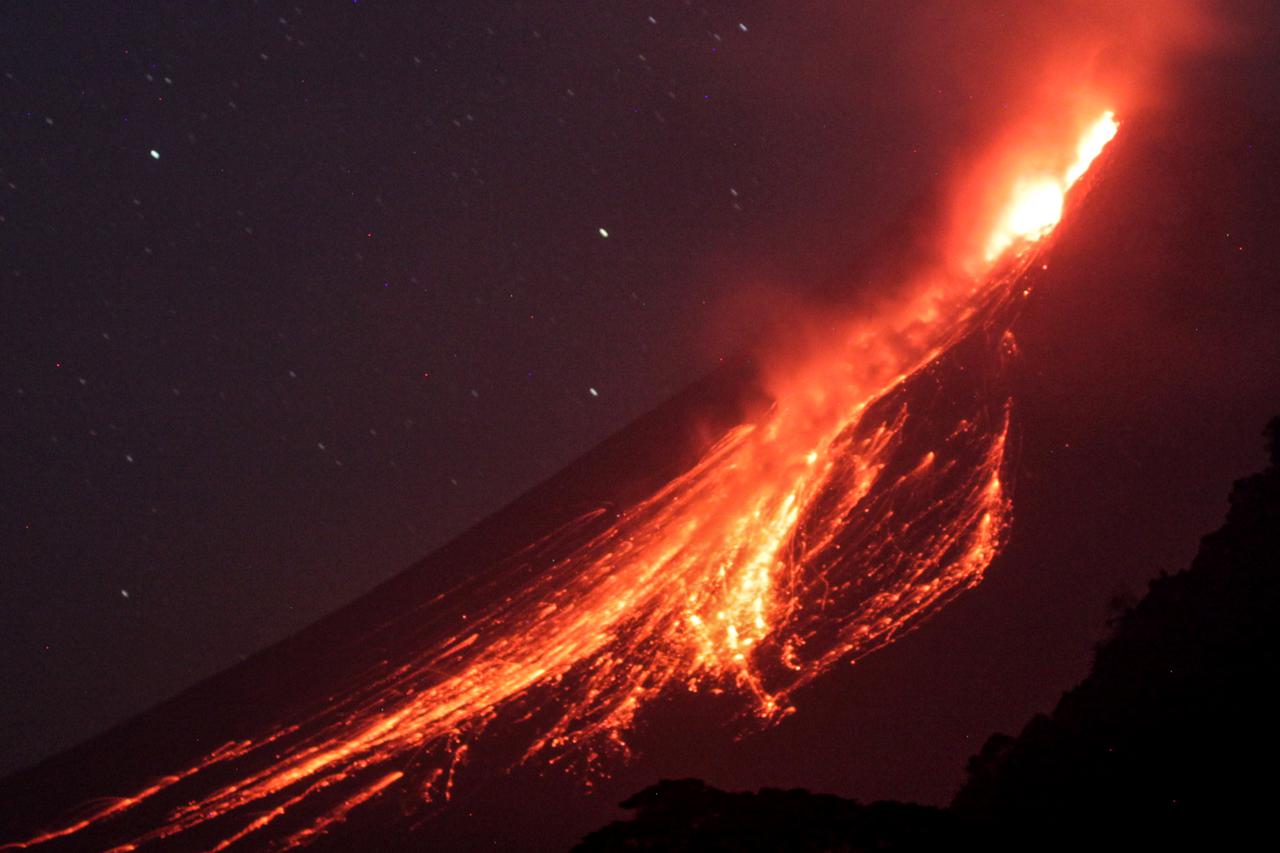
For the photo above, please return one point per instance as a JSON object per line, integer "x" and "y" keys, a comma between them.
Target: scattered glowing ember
{"x": 864, "y": 499}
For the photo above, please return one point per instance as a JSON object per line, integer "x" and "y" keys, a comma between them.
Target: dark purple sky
{"x": 292, "y": 297}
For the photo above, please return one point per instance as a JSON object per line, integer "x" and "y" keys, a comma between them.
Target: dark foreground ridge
{"x": 1169, "y": 742}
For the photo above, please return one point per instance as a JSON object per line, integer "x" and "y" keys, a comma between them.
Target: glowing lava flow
{"x": 867, "y": 496}
{"x": 1038, "y": 199}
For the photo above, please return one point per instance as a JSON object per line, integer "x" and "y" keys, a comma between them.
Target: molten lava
{"x": 1037, "y": 200}
{"x": 868, "y": 495}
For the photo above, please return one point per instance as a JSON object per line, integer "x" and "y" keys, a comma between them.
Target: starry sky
{"x": 294, "y": 293}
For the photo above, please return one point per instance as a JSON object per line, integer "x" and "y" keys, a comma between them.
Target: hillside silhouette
{"x": 1170, "y": 741}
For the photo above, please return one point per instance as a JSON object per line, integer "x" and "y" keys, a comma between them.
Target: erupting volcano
{"x": 865, "y": 495}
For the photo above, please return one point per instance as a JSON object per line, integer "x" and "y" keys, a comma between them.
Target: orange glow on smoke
{"x": 814, "y": 533}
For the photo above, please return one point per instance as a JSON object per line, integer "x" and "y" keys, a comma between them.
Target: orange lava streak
{"x": 817, "y": 532}
{"x": 121, "y": 804}
{"x": 321, "y": 824}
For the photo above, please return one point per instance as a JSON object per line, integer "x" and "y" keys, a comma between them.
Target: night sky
{"x": 293, "y": 294}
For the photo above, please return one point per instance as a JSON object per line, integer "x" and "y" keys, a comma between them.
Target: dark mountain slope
{"x": 1173, "y": 731}
{"x": 305, "y": 670}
